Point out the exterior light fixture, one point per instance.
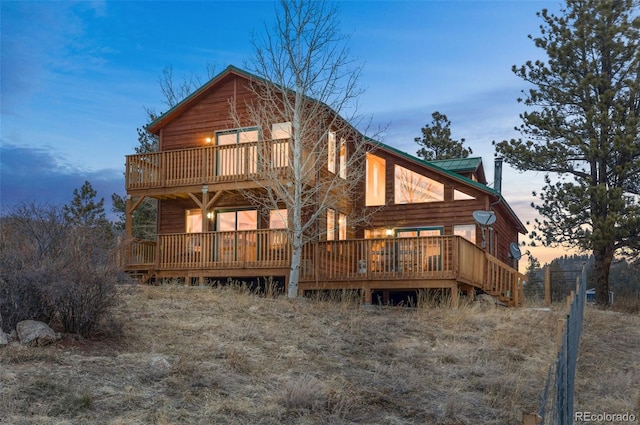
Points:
(389, 232)
(208, 140)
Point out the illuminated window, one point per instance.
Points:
(375, 180)
(331, 224)
(232, 157)
(194, 221)
(342, 227)
(467, 231)
(278, 220)
(331, 151)
(411, 187)
(343, 159)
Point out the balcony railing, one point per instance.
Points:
(389, 259)
(205, 165)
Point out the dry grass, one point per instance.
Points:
(201, 355)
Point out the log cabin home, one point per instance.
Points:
(421, 233)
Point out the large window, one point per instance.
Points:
(232, 157)
(375, 180)
(336, 232)
(411, 187)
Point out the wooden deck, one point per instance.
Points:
(389, 264)
(209, 165)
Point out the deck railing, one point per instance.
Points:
(392, 259)
(204, 165)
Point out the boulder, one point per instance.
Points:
(34, 333)
(4, 338)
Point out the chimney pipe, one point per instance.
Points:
(497, 175)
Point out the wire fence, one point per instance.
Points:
(556, 404)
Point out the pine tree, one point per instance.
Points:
(582, 129)
(437, 143)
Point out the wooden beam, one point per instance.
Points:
(195, 199)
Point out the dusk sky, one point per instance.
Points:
(76, 77)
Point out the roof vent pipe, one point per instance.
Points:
(497, 175)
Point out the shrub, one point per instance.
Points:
(50, 270)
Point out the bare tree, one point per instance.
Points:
(306, 95)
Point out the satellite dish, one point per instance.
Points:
(484, 218)
(514, 250)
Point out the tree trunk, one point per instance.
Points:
(602, 263)
(294, 272)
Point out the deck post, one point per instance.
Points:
(455, 295)
(367, 295)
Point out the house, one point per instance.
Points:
(421, 232)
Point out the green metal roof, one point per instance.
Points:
(458, 164)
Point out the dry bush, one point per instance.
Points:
(51, 271)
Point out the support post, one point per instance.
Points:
(367, 294)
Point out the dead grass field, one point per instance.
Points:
(201, 355)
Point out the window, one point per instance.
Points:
(235, 245)
(331, 224)
(194, 221)
(461, 196)
(342, 227)
(411, 187)
(467, 231)
(278, 220)
(375, 180)
(232, 157)
(281, 135)
(331, 151)
(342, 166)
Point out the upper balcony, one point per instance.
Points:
(226, 164)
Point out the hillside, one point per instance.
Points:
(198, 355)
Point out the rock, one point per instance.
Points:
(4, 338)
(34, 333)
(159, 365)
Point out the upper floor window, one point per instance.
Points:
(342, 166)
(375, 180)
(232, 158)
(193, 221)
(411, 187)
(461, 196)
(331, 151)
(281, 134)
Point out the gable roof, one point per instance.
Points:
(433, 165)
(172, 113)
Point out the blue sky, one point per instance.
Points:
(76, 77)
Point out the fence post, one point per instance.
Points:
(547, 286)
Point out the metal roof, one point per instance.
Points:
(458, 164)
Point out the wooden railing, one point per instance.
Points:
(241, 249)
(205, 165)
(393, 259)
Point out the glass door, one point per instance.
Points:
(418, 255)
(238, 242)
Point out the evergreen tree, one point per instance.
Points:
(84, 211)
(534, 288)
(437, 143)
(583, 126)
